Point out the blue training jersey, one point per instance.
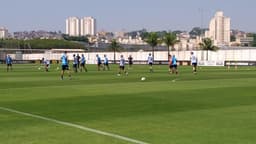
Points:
(8, 60)
(83, 59)
(98, 60)
(64, 59)
(174, 61)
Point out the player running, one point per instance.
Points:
(75, 63)
(174, 65)
(98, 62)
(122, 66)
(106, 64)
(46, 64)
(82, 64)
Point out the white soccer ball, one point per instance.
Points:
(39, 68)
(143, 78)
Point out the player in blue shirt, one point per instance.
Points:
(98, 62)
(64, 63)
(8, 61)
(174, 65)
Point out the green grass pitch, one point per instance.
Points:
(216, 106)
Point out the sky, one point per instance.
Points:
(125, 15)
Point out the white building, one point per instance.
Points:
(73, 26)
(88, 26)
(3, 32)
(219, 29)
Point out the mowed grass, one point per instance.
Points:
(216, 106)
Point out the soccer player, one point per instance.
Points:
(46, 64)
(8, 61)
(98, 62)
(130, 61)
(150, 62)
(82, 64)
(75, 63)
(170, 63)
(193, 59)
(122, 66)
(106, 65)
(78, 60)
(64, 63)
(174, 65)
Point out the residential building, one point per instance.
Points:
(73, 26)
(3, 32)
(88, 26)
(219, 29)
(244, 41)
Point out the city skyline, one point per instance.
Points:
(116, 15)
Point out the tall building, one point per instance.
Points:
(80, 27)
(73, 26)
(219, 29)
(3, 32)
(88, 26)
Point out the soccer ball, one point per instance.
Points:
(143, 78)
(39, 68)
(118, 75)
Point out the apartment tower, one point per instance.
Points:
(73, 26)
(219, 29)
(80, 27)
(88, 26)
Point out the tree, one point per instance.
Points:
(197, 31)
(254, 39)
(208, 45)
(115, 47)
(170, 39)
(152, 40)
(75, 38)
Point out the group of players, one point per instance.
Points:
(79, 63)
(173, 63)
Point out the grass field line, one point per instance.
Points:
(75, 126)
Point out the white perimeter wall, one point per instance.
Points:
(221, 55)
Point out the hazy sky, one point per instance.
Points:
(126, 15)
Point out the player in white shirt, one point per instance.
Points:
(106, 64)
(193, 59)
(122, 66)
(150, 62)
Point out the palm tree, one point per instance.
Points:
(152, 40)
(115, 47)
(208, 45)
(170, 39)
